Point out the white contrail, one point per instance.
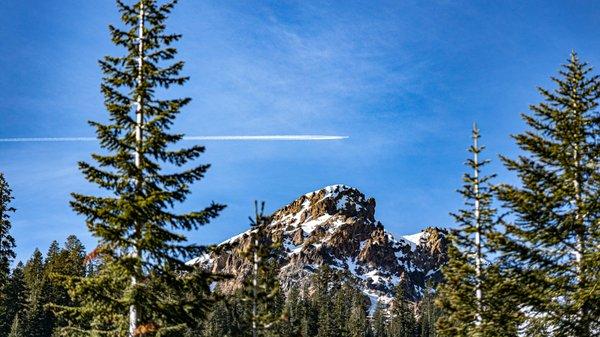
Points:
(207, 138)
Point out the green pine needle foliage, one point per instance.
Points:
(141, 236)
(261, 252)
(7, 242)
(7, 254)
(464, 314)
(553, 239)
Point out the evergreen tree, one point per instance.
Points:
(7, 245)
(379, 321)
(36, 320)
(402, 315)
(552, 243)
(7, 242)
(218, 322)
(429, 313)
(326, 324)
(143, 288)
(324, 283)
(15, 300)
(60, 265)
(357, 322)
(310, 313)
(469, 295)
(293, 313)
(16, 329)
(261, 288)
(341, 307)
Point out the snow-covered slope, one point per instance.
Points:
(336, 226)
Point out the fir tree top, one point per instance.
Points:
(553, 242)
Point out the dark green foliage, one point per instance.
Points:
(293, 314)
(7, 245)
(15, 299)
(142, 244)
(429, 313)
(402, 321)
(7, 242)
(33, 288)
(357, 323)
(16, 329)
(218, 322)
(469, 297)
(552, 241)
(332, 308)
(261, 287)
(379, 321)
(37, 321)
(62, 264)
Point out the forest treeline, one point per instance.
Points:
(524, 258)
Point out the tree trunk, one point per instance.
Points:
(133, 313)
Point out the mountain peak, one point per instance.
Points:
(336, 226)
(328, 201)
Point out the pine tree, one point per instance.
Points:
(552, 243)
(218, 322)
(261, 288)
(61, 264)
(144, 287)
(402, 321)
(324, 282)
(7, 245)
(293, 313)
(342, 304)
(15, 300)
(379, 321)
(310, 313)
(357, 322)
(16, 329)
(469, 297)
(36, 320)
(429, 313)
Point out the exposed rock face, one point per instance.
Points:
(336, 226)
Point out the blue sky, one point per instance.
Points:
(404, 79)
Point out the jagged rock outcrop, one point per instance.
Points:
(336, 226)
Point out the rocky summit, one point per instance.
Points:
(336, 226)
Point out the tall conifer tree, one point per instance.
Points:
(15, 300)
(553, 244)
(428, 312)
(7, 242)
(469, 296)
(36, 320)
(357, 321)
(379, 321)
(261, 287)
(144, 287)
(402, 322)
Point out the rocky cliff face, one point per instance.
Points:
(336, 226)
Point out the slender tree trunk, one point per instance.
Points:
(254, 285)
(580, 241)
(478, 255)
(133, 313)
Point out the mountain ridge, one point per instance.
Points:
(336, 226)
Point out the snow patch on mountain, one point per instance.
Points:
(336, 226)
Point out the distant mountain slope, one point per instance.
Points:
(336, 226)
